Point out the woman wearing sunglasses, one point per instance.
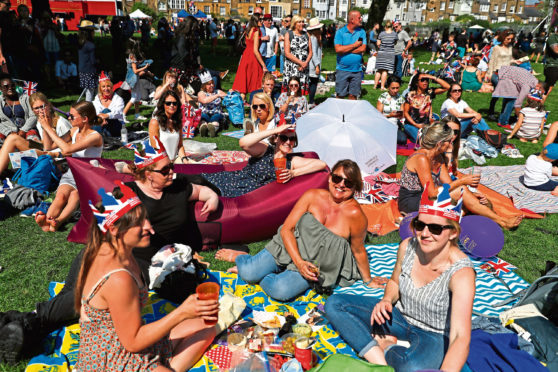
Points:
(166, 125)
(320, 245)
(83, 142)
(468, 118)
(46, 116)
(16, 115)
(292, 103)
(417, 109)
(260, 169)
(263, 115)
(428, 301)
(429, 166)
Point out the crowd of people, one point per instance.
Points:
(107, 282)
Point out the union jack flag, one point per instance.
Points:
(114, 208)
(149, 155)
(497, 267)
(372, 194)
(485, 51)
(443, 205)
(30, 87)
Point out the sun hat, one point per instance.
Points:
(313, 24)
(113, 208)
(86, 24)
(443, 205)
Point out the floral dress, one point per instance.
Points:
(300, 48)
(391, 104)
(101, 350)
(297, 107)
(419, 106)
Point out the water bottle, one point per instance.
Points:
(124, 135)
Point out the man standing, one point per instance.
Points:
(462, 43)
(350, 44)
(213, 35)
(373, 37)
(551, 64)
(230, 34)
(285, 25)
(403, 44)
(269, 57)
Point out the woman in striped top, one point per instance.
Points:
(428, 301)
(386, 54)
(531, 119)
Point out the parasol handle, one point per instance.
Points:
(343, 119)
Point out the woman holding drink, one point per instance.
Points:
(111, 291)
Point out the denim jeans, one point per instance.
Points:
(507, 110)
(312, 87)
(398, 65)
(465, 130)
(277, 283)
(350, 316)
(281, 62)
(111, 129)
(411, 131)
(214, 117)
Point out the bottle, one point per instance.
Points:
(124, 135)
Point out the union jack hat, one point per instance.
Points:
(149, 155)
(535, 95)
(103, 77)
(114, 208)
(443, 205)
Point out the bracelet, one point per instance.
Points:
(368, 282)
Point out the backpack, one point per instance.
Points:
(228, 31)
(39, 174)
(493, 138)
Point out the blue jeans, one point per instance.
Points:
(398, 65)
(507, 109)
(277, 283)
(350, 316)
(411, 131)
(465, 130)
(111, 129)
(281, 62)
(214, 117)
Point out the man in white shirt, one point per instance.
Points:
(270, 58)
(66, 72)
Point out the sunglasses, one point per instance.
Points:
(294, 85)
(165, 170)
(71, 117)
(37, 108)
(456, 90)
(456, 132)
(337, 179)
(434, 228)
(285, 138)
(422, 80)
(171, 103)
(261, 106)
(10, 85)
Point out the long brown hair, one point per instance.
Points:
(161, 116)
(96, 239)
(86, 109)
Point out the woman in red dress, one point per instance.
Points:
(252, 67)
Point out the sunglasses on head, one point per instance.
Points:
(335, 178)
(41, 107)
(171, 103)
(165, 170)
(261, 106)
(434, 228)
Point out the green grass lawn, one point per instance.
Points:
(32, 258)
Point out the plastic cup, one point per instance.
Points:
(280, 164)
(208, 291)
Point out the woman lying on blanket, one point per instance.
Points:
(429, 166)
(428, 300)
(320, 245)
(46, 116)
(165, 197)
(260, 169)
(111, 291)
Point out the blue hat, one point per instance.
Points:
(551, 151)
(535, 95)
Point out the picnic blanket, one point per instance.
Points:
(238, 134)
(61, 346)
(506, 181)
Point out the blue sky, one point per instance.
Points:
(529, 2)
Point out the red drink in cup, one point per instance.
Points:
(208, 291)
(280, 164)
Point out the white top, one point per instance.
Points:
(116, 107)
(532, 120)
(537, 171)
(483, 66)
(63, 126)
(270, 125)
(450, 104)
(90, 152)
(171, 141)
(273, 36)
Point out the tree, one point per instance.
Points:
(377, 12)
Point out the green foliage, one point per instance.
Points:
(481, 22)
(466, 18)
(340, 19)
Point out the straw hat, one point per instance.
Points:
(313, 24)
(86, 25)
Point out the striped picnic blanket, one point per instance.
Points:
(61, 347)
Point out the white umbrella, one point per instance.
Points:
(477, 27)
(138, 14)
(346, 129)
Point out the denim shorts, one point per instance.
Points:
(347, 82)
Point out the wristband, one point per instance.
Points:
(368, 282)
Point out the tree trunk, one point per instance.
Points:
(377, 12)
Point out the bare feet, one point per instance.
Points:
(40, 219)
(554, 192)
(53, 224)
(510, 222)
(535, 141)
(233, 269)
(385, 340)
(522, 140)
(201, 260)
(228, 255)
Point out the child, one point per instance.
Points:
(449, 49)
(135, 70)
(409, 65)
(538, 170)
(531, 119)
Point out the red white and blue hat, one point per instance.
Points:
(443, 205)
(114, 208)
(535, 95)
(103, 77)
(149, 155)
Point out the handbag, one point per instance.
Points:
(493, 138)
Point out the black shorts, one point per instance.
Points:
(551, 76)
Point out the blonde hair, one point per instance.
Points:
(454, 224)
(295, 20)
(102, 82)
(39, 96)
(434, 134)
(267, 76)
(269, 103)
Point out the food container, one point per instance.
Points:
(236, 342)
(303, 330)
(288, 342)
